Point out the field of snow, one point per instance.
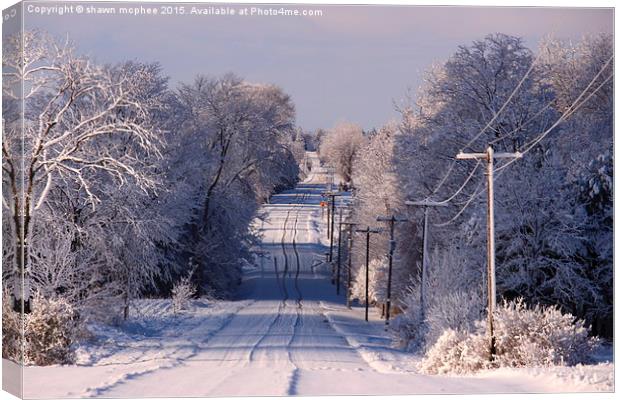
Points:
(287, 333)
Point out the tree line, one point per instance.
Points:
(553, 207)
(116, 185)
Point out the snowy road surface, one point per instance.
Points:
(286, 334)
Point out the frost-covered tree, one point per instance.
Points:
(569, 68)
(497, 92)
(596, 196)
(554, 245)
(312, 140)
(339, 146)
(377, 192)
(236, 147)
(486, 92)
(377, 282)
(81, 122)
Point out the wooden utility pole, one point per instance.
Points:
(330, 222)
(368, 231)
(349, 252)
(331, 235)
(391, 220)
(426, 204)
(489, 156)
(339, 251)
(328, 214)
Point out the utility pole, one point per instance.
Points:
(368, 231)
(339, 251)
(349, 252)
(489, 156)
(327, 195)
(391, 220)
(426, 204)
(332, 196)
(328, 212)
(331, 236)
(330, 227)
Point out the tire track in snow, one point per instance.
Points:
(118, 380)
(283, 244)
(274, 322)
(294, 378)
(277, 321)
(298, 262)
(281, 282)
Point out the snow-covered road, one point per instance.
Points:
(281, 336)
(287, 333)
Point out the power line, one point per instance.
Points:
(462, 210)
(488, 125)
(506, 135)
(570, 111)
(495, 115)
(530, 145)
(444, 178)
(574, 106)
(462, 186)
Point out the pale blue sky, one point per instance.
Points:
(349, 64)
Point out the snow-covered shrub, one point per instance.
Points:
(407, 327)
(458, 310)
(182, 292)
(12, 326)
(538, 336)
(453, 300)
(377, 282)
(456, 352)
(50, 331)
